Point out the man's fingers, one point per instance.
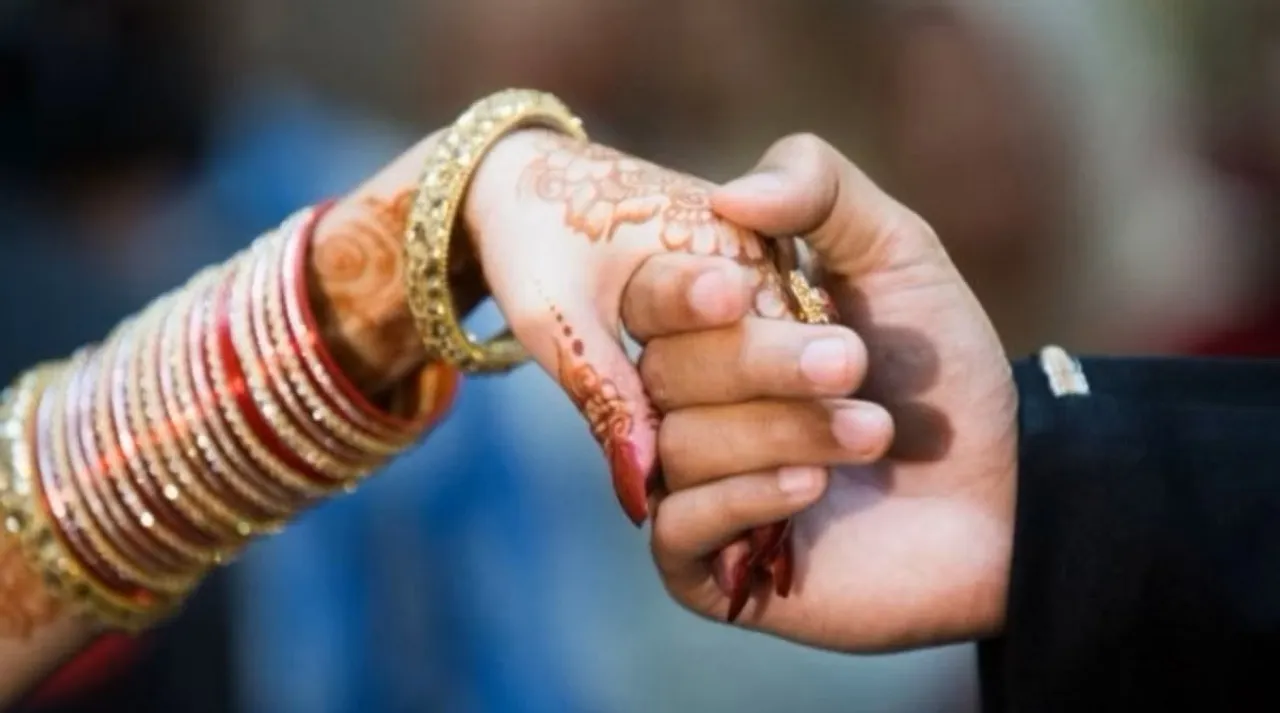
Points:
(803, 186)
(676, 293)
(755, 358)
(693, 524)
(697, 445)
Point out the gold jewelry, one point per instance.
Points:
(140, 432)
(25, 516)
(117, 461)
(198, 401)
(281, 358)
(366, 430)
(271, 404)
(104, 522)
(280, 473)
(432, 222)
(294, 342)
(810, 304)
(813, 308)
(189, 493)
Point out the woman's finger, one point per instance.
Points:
(701, 444)
(693, 524)
(755, 358)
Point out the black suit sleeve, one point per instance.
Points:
(1146, 564)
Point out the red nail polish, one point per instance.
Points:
(741, 585)
(722, 573)
(629, 481)
(784, 567)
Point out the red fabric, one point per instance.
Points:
(106, 657)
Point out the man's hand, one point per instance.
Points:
(912, 550)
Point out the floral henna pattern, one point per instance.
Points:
(608, 414)
(603, 189)
(600, 188)
(25, 604)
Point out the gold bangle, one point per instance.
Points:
(25, 516)
(432, 222)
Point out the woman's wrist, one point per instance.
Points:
(356, 281)
(356, 264)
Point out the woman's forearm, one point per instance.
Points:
(351, 279)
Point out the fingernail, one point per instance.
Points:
(629, 481)
(853, 425)
(707, 294)
(798, 480)
(740, 585)
(754, 185)
(783, 568)
(825, 361)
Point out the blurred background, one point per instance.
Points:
(1105, 172)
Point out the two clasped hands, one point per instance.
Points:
(890, 437)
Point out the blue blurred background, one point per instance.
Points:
(1104, 171)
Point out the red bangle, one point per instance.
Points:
(224, 454)
(243, 400)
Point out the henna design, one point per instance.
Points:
(608, 415)
(25, 603)
(595, 396)
(358, 291)
(602, 190)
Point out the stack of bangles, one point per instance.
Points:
(213, 416)
(131, 469)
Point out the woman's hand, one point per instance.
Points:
(560, 227)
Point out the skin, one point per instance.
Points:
(911, 551)
(559, 231)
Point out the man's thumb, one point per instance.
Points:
(805, 187)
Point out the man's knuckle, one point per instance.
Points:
(653, 376)
(672, 438)
(662, 542)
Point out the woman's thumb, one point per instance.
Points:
(588, 360)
